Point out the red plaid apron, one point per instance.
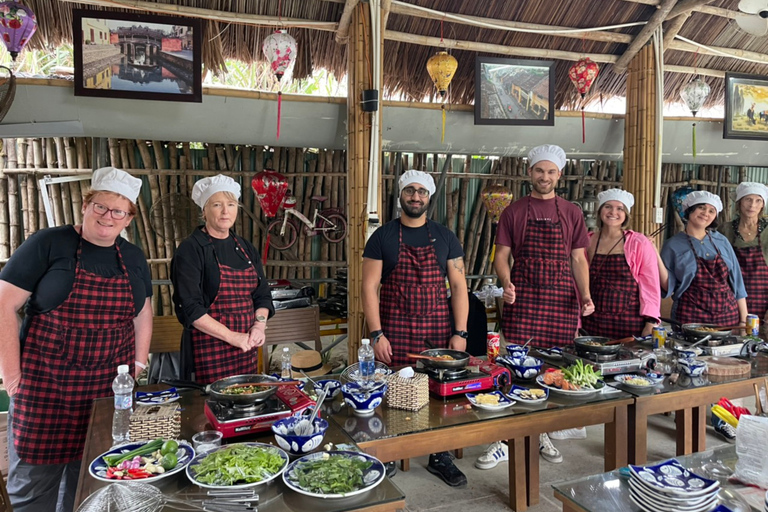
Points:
(545, 308)
(414, 302)
(233, 306)
(755, 273)
(616, 295)
(709, 298)
(70, 357)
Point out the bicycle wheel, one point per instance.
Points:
(338, 227)
(284, 241)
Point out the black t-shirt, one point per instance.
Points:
(45, 266)
(383, 244)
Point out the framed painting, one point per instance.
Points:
(746, 107)
(137, 56)
(514, 91)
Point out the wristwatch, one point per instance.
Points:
(461, 334)
(375, 335)
(261, 318)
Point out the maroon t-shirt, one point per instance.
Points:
(511, 229)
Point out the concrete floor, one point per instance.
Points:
(487, 490)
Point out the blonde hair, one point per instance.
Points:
(227, 194)
(88, 197)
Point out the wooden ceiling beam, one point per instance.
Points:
(386, 7)
(342, 34)
(672, 28)
(686, 7)
(706, 9)
(682, 46)
(656, 19)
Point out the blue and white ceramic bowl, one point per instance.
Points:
(333, 387)
(692, 367)
(514, 350)
(293, 443)
(526, 367)
(361, 399)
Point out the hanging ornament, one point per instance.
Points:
(582, 74)
(495, 198)
(270, 188)
(280, 49)
(17, 25)
(694, 94)
(441, 68)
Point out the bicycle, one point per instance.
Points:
(283, 231)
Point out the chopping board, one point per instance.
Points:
(726, 366)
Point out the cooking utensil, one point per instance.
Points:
(428, 358)
(460, 359)
(306, 427)
(702, 340)
(620, 341)
(216, 389)
(595, 344)
(265, 384)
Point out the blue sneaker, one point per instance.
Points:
(495, 453)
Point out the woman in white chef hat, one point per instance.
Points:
(623, 273)
(749, 238)
(220, 292)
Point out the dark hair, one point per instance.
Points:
(712, 225)
(88, 197)
(624, 224)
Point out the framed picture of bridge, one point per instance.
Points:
(137, 56)
(514, 91)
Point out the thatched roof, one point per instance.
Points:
(404, 62)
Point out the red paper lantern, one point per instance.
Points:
(270, 188)
(582, 74)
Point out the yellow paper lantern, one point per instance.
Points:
(441, 68)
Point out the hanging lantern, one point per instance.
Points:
(441, 68)
(495, 198)
(694, 94)
(280, 49)
(17, 25)
(582, 74)
(270, 188)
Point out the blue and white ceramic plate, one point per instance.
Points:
(192, 473)
(671, 478)
(371, 476)
(635, 382)
(98, 468)
(649, 505)
(504, 402)
(578, 393)
(523, 394)
(685, 504)
(165, 396)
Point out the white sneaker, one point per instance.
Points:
(548, 450)
(569, 433)
(495, 453)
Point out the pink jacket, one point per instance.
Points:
(644, 265)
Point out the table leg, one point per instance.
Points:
(615, 444)
(699, 418)
(638, 433)
(518, 499)
(459, 453)
(405, 464)
(684, 422)
(532, 468)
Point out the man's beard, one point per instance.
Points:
(413, 212)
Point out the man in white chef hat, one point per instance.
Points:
(405, 264)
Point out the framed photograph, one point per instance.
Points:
(514, 91)
(746, 107)
(137, 56)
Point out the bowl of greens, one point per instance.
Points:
(334, 474)
(237, 466)
(297, 435)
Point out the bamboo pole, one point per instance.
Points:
(5, 246)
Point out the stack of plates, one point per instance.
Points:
(669, 487)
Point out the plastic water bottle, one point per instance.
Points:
(285, 364)
(121, 421)
(367, 365)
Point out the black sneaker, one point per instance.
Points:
(726, 431)
(441, 464)
(391, 468)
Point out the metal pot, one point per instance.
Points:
(587, 344)
(460, 359)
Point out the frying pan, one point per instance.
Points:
(460, 359)
(215, 389)
(691, 330)
(584, 343)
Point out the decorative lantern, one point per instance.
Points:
(270, 188)
(694, 94)
(441, 68)
(582, 74)
(280, 49)
(17, 25)
(495, 198)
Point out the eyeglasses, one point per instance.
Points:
(102, 210)
(409, 191)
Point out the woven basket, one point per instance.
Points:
(409, 394)
(154, 421)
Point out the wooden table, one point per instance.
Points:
(274, 497)
(443, 425)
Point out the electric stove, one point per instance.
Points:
(727, 346)
(236, 420)
(625, 361)
(477, 376)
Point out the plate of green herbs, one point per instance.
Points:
(237, 466)
(334, 474)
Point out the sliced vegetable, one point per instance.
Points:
(116, 458)
(238, 464)
(582, 375)
(333, 474)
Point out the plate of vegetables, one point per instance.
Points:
(334, 474)
(146, 461)
(237, 466)
(577, 380)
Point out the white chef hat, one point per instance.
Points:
(206, 187)
(750, 187)
(616, 194)
(414, 176)
(112, 179)
(554, 154)
(702, 197)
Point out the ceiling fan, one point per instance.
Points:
(754, 19)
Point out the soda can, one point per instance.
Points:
(753, 325)
(659, 337)
(493, 346)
